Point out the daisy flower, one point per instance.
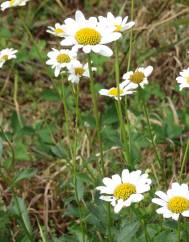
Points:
(117, 24)
(88, 35)
(13, 3)
(7, 54)
(77, 70)
(60, 59)
(183, 79)
(124, 89)
(122, 191)
(58, 30)
(174, 202)
(138, 77)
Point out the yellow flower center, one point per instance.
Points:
(124, 191)
(118, 28)
(59, 31)
(115, 92)
(79, 71)
(5, 57)
(137, 77)
(187, 79)
(12, 2)
(88, 36)
(63, 58)
(178, 204)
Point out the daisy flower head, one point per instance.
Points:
(13, 3)
(183, 79)
(139, 77)
(7, 54)
(116, 24)
(77, 70)
(124, 89)
(58, 30)
(88, 35)
(60, 59)
(174, 202)
(122, 191)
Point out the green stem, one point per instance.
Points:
(96, 114)
(109, 223)
(15, 95)
(119, 109)
(131, 37)
(178, 232)
(66, 113)
(183, 163)
(74, 158)
(152, 138)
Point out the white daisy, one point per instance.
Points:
(13, 3)
(88, 35)
(77, 70)
(183, 79)
(116, 24)
(7, 54)
(58, 30)
(138, 77)
(123, 190)
(124, 89)
(60, 59)
(174, 202)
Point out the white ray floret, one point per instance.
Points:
(116, 24)
(122, 191)
(13, 3)
(58, 30)
(77, 70)
(139, 77)
(88, 35)
(173, 203)
(7, 54)
(124, 89)
(183, 79)
(60, 59)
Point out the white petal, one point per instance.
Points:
(118, 206)
(103, 50)
(148, 70)
(175, 216)
(162, 195)
(159, 201)
(79, 17)
(186, 213)
(125, 174)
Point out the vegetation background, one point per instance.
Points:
(36, 187)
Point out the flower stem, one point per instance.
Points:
(184, 160)
(15, 95)
(109, 223)
(119, 109)
(96, 114)
(74, 158)
(152, 138)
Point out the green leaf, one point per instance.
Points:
(24, 174)
(1, 147)
(168, 236)
(128, 232)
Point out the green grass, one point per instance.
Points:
(40, 197)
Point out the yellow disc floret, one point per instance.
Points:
(137, 77)
(114, 91)
(88, 36)
(5, 57)
(124, 191)
(178, 204)
(118, 28)
(59, 31)
(187, 79)
(12, 2)
(79, 71)
(63, 58)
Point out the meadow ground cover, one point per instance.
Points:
(94, 121)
